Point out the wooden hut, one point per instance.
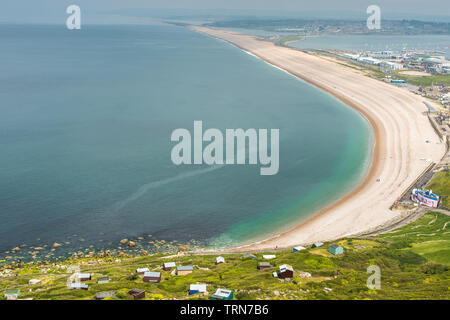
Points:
(182, 270)
(286, 271)
(78, 286)
(142, 270)
(84, 276)
(167, 266)
(264, 266)
(137, 294)
(154, 277)
(103, 280)
(103, 295)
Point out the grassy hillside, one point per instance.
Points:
(414, 262)
(441, 185)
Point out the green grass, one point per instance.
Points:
(414, 262)
(441, 185)
(436, 251)
(284, 41)
(425, 81)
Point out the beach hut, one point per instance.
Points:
(84, 276)
(264, 265)
(137, 294)
(220, 260)
(285, 271)
(182, 270)
(269, 256)
(336, 249)
(317, 244)
(12, 294)
(298, 248)
(222, 294)
(103, 280)
(142, 270)
(103, 295)
(167, 266)
(248, 256)
(197, 288)
(35, 282)
(154, 277)
(78, 286)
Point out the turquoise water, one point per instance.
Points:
(85, 126)
(377, 43)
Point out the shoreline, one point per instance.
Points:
(309, 231)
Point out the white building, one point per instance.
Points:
(369, 60)
(220, 260)
(391, 65)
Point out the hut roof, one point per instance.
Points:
(152, 274)
(185, 268)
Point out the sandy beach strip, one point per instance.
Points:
(401, 152)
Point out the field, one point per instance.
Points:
(441, 185)
(425, 81)
(414, 262)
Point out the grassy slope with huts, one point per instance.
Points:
(414, 262)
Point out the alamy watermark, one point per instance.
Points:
(374, 20)
(238, 145)
(73, 22)
(374, 280)
(74, 277)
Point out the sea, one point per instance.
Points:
(86, 118)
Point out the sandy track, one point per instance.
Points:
(400, 129)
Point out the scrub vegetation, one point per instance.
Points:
(414, 262)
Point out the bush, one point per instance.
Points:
(132, 277)
(433, 268)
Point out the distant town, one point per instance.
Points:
(424, 72)
(315, 27)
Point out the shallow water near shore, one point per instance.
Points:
(86, 120)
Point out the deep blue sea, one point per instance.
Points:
(85, 123)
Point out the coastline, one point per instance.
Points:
(399, 142)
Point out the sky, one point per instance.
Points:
(110, 11)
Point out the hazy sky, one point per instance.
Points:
(53, 11)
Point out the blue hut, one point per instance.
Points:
(335, 249)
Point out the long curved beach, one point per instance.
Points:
(401, 152)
